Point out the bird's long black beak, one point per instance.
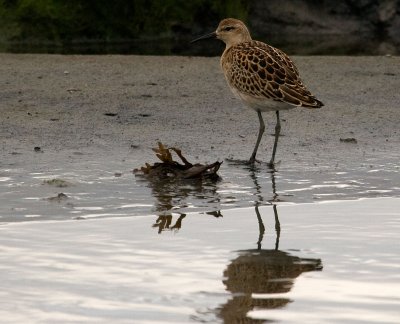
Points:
(210, 35)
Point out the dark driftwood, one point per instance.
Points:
(168, 168)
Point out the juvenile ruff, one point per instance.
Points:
(264, 77)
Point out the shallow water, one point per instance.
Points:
(100, 189)
(332, 262)
(318, 245)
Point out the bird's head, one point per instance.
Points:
(231, 31)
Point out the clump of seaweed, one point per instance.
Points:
(171, 169)
(56, 182)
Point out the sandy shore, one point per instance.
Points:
(118, 106)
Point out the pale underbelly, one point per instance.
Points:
(260, 104)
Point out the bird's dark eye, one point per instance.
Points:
(228, 28)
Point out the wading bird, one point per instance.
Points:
(264, 77)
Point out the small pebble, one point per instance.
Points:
(349, 140)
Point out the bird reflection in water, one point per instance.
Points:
(261, 271)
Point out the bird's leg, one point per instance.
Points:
(277, 132)
(277, 227)
(260, 134)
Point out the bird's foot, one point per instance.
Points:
(272, 164)
(253, 161)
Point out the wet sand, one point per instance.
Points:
(118, 107)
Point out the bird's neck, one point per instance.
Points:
(242, 38)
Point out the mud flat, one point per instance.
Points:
(114, 106)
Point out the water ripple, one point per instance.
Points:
(91, 187)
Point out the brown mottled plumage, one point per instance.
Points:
(264, 77)
(263, 72)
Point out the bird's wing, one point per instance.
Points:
(262, 71)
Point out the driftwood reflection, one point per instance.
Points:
(163, 223)
(262, 271)
(177, 185)
(174, 196)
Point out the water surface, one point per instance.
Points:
(97, 189)
(333, 262)
(90, 242)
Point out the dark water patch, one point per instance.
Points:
(299, 45)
